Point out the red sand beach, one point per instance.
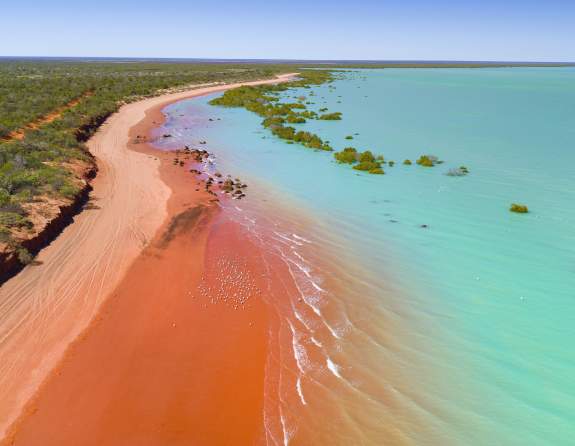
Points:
(167, 359)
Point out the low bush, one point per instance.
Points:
(367, 165)
(346, 156)
(519, 208)
(331, 116)
(427, 160)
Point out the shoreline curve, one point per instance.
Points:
(45, 307)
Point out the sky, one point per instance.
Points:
(486, 30)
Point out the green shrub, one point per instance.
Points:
(274, 120)
(519, 208)
(377, 171)
(366, 156)
(5, 235)
(69, 190)
(284, 132)
(331, 116)
(294, 119)
(407, 162)
(346, 156)
(427, 160)
(4, 197)
(13, 220)
(24, 256)
(367, 165)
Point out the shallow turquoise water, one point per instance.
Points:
(487, 297)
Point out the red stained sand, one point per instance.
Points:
(177, 354)
(163, 365)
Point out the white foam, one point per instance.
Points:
(300, 318)
(286, 432)
(286, 238)
(333, 368)
(310, 301)
(301, 238)
(306, 270)
(316, 286)
(299, 352)
(333, 332)
(297, 254)
(299, 390)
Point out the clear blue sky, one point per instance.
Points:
(534, 30)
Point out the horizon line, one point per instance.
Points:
(284, 60)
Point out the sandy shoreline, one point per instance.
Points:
(47, 306)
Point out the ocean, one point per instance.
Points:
(424, 312)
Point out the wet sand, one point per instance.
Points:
(142, 365)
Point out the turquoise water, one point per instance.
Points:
(479, 304)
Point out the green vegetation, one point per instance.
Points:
(46, 161)
(294, 119)
(42, 160)
(367, 166)
(377, 171)
(331, 116)
(427, 160)
(263, 100)
(519, 208)
(346, 156)
(366, 157)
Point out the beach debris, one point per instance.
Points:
(166, 135)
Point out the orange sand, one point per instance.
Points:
(141, 373)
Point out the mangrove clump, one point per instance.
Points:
(367, 166)
(519, 208)
(336, 116)
(346, 156)
(427, 160)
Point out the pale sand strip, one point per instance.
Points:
(47, 306)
